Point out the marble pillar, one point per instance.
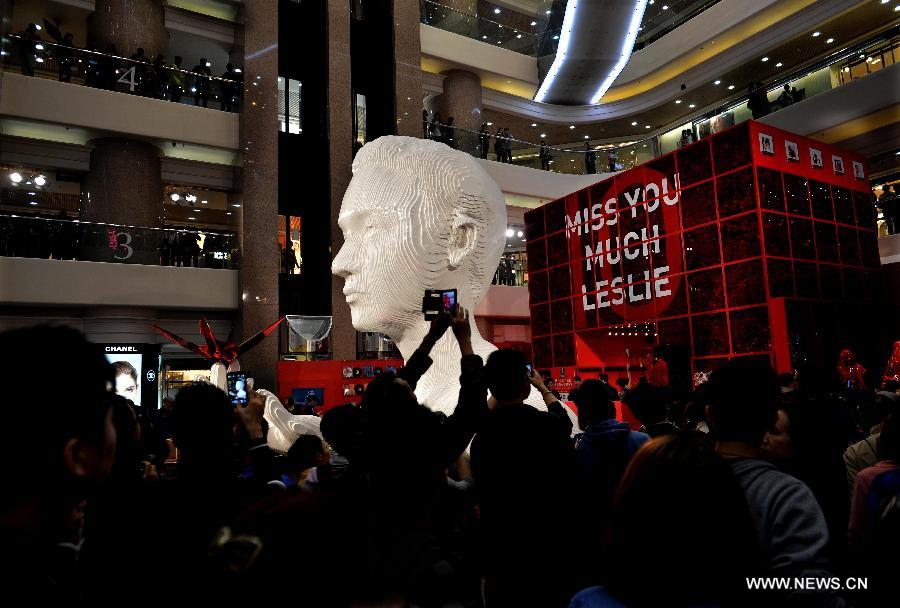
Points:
(408, 68)
(340, 137)
(461, 99)
(258, 192)
(130, 24)
(124, 185)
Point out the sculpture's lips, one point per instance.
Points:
(351, 295)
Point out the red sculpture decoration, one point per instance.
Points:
(217, 351)
(851, 371)
(892, 371)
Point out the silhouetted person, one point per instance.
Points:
(758, 102)
(500, 146)
(230, 87)
(523, 465)
(108, 64)
(201, 85)
(649, 404)
(590, 159)
(544, 155)
(65, 57)
(694, 551)
(742, 397)
(157, 78)
(28, 38)
(140, 63)
(507, 144)
(176, 80)
(484, 140)
(48, 475)
(786, 98)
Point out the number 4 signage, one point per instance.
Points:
(129, 78)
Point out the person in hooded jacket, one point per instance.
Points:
(605, 446)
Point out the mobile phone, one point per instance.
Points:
(530, 369)
(237, 388)
(437, 301)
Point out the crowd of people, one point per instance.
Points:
(142, 75)
(498, 504)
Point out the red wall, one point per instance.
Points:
(327, 375)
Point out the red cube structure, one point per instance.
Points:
(752, 242)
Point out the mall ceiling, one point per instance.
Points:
(854, 26)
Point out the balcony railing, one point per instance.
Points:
(149, 77)
(57, 239)
(479, 28)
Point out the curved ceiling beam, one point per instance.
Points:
(595, 43)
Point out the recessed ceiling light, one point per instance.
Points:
(862, 56)
(897, 8)
(665, 7)
(15, 177)
(534, 23)
(519, 234)
(634, 124)
(203, 202)
(693, 105)
(829, 41)
(571, 126)
(518, 35)
(556, 37)
(192, 218)
(765, 59)
(778, 65)
(718, 82)
(235, 205)
(646, 126)
(548, 12)
(496, 11)
(543, 135)
(652, 1)
(509, 232)
(490, 124)
(816, 34)
(587, 136)
(534, 124)
(730, 87)
(885, 1)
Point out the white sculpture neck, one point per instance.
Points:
(439, 387)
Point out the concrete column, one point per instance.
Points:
(124, 185)
(258, 194)
(343, 335)
(461, 99)
(408, 68)
(130, 24)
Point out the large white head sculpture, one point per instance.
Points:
(417, 215)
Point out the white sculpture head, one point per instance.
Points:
(417, 215)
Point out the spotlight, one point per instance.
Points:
(15, 177)
(40, 180)
(509, 233)
(175, 197)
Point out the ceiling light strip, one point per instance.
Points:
(624, 55)
(565, 38)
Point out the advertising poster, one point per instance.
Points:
(128, 361)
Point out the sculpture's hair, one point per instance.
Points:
(455, 190)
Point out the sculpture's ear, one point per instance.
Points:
(463, 236)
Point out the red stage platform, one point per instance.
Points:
(752, 242)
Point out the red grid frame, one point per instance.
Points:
(752, 229)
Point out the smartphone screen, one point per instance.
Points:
(237, 388)
(530, 369)
(448, 300)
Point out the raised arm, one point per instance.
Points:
(419, 362)
(553, 405)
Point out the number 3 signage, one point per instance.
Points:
(123, 242)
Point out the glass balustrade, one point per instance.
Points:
(480, 28)
(42, 237)
(149, 77)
